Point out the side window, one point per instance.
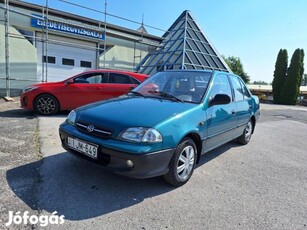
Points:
(246, 92)
(134, 81)
(221, 86)
(91, 79)
(239, 95)
(104, 78)
(95, 79)
(116, 78)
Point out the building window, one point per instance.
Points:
(49, 59)
(86, 64)
(66, 61)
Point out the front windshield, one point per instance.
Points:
(187, 86)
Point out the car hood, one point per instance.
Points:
(126, 111)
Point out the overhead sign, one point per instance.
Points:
(63, 27)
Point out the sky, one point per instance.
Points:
(253, 30)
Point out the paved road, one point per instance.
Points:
(18, 147)
(262, 185)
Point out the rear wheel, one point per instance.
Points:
(182, 163)
(46, 104)
(247, 134)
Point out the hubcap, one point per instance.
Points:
(185, 162)
(46, 105)
(248, 131)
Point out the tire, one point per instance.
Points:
(182, 164)
(46, 104)
(247, 134)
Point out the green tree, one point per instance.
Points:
(290, 89)
(236, 66)
(280, 74)
(302, 68)
(304, 80)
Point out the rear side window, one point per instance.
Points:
(116, 78)
(134, 81)
(238, 91)
(246, 92)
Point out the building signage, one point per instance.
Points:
(62, 27)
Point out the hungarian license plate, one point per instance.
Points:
(83, 147)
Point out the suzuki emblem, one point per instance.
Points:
(90, 128)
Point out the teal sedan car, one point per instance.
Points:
(164, 125)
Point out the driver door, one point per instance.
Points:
(83, 90)
(221, 119)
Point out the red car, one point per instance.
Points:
(94, 85)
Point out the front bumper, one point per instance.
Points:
(26, 101)
(144, 165)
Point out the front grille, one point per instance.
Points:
(86, 127)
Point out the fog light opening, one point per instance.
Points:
(129, 163)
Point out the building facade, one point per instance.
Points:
(46, 45)
(40, 44)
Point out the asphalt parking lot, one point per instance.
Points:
(262, 185)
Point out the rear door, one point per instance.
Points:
(243, 103)
(118, 84)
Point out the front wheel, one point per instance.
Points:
(182, 163)
(247, 134)
(46, 104)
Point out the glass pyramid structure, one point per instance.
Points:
(184, 47)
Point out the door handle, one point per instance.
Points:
(233, 111)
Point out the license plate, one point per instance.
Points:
(83, 147)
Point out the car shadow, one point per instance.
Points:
(22, 113)
(216, 152)
(18, 113)
(79, 190)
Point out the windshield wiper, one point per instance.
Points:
(165, 95)
(136, 93)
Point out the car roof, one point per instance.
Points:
(201, 71)
(113, 71)
(197, 71)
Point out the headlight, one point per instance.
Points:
(141, 134)
(71, 118)
(30, 88)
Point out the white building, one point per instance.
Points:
(52, 48)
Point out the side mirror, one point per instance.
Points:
(220, 99)
(68, 82)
